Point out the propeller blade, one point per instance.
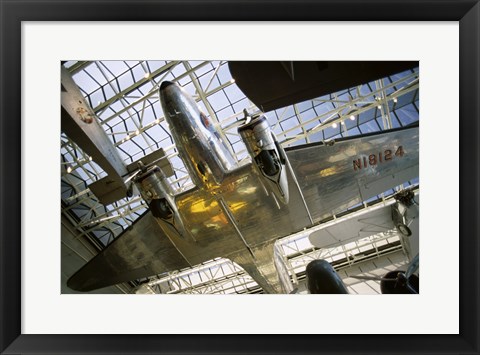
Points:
(131, 177)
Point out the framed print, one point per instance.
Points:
(43, 42)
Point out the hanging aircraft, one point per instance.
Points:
(236, 211)
(323, 279)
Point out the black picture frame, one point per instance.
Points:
(13, 12)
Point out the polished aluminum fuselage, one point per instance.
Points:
(203, 151)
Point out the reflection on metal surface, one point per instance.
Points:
(267, 155)
(343, 187)
(201, 148)
(219, 228)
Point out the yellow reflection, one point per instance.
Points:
(237, 206)
(201, 206)
(247, 190)
(328, 171)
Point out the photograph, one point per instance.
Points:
(239, 177)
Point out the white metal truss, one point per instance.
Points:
(220, 276)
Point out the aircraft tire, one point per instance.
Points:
(160, 208)
(392, 287)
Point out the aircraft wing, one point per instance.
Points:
(142, 250)
(334, 177)
(240, 219)
(237, 222)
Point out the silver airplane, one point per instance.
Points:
(238, 211)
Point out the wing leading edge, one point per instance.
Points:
(139, 252)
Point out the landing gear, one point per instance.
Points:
(267, 163)
(398, 283)
(402, 228)
(160, 208)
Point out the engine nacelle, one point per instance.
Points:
(156, 191)
(267, 154)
